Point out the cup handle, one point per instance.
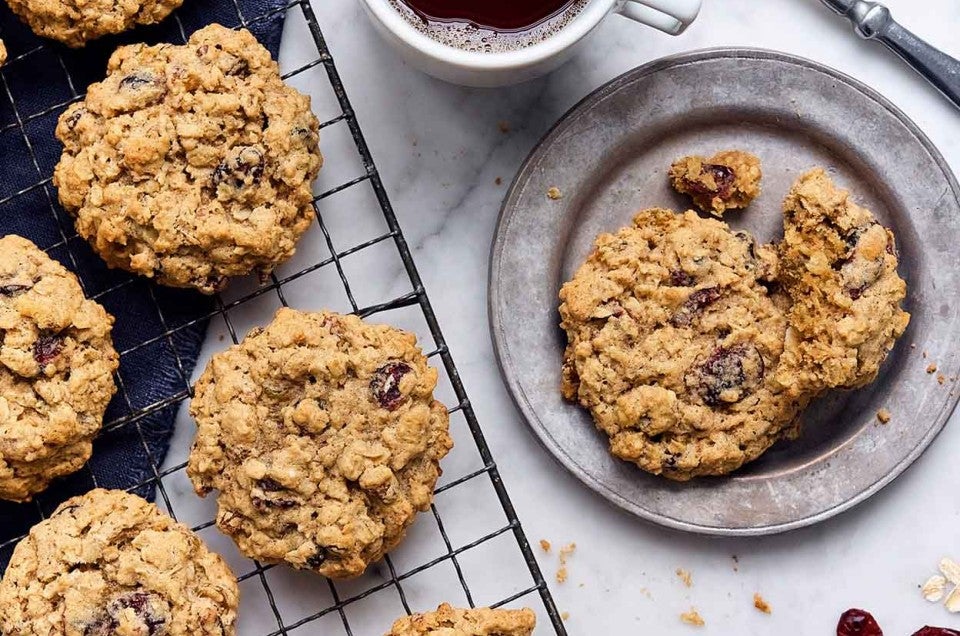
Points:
(669, 16)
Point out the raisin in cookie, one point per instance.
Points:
(191, 164)
(726, 181)
(674, 342)
(108, 563)
(450, 621)
(839, 267)
(76, 22)
(321, 434)
(56, 370)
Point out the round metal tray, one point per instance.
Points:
(609, 156)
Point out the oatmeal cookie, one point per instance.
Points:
(451, 621)
(191, 164)
(76, 22)
(728, 180)
(3, 53)
(56, 370)
(109, 563)
(674, 342)
(321, 434)
(839, 267)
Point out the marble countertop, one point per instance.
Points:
(447, 155)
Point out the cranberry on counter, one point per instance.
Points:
(857, 622)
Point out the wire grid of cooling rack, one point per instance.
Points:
(136, 417)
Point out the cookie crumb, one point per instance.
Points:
(693, 618)
(685, 576)
(545, 545)
(554, 193)
(932, 368)
(883, 415)
(498, 181)
(565, 552)
(941, 378)
(564, 615)
(761, 604)
(503, 126)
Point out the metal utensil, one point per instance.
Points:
(874, 22)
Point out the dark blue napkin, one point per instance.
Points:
(158, 331)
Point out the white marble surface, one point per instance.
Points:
(441, 153)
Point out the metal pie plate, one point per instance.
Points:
(609, 156)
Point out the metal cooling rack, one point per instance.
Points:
(135, 418)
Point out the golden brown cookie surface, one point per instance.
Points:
(191, 164)
(728, 180)
(674, 343)
(839, 266)
(56, 370)
(109, 563)
(75, 22)
(451, 621)
(323, 438)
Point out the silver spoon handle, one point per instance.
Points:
(874, 22)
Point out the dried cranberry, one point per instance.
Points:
(728, 375)
(240, 68)
(74, 118)
(13, 290)
(245, 165)
(679, 278)
(723, 177)
(269, 488)
(857, 622)
(936, 631)
(694, 305)
(386, 384)
(144, 606)
(135, 81)
(47, 347)
(318, 558)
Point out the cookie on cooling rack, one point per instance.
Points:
(3, 53)
(674, 344)
(451, 621)
(728, 180)
(191, 164)
(839, 267)
(108, 563)
(56, 370)
(323, 438)
(75, 22)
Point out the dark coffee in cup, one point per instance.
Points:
(489, 26)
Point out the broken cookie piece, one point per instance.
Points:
(838, 265)
(728, 180)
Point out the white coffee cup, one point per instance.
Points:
(473, 68)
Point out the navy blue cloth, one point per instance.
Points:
(158, 330)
